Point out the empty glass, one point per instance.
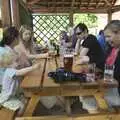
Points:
(108, 72)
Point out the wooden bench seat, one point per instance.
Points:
(62, 117)
(6, 114)
(82, 117)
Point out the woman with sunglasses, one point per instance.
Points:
(91, 51)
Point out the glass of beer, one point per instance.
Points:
(91, 72)
(109, 72)
(68, 59)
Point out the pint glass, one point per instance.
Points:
(68, 59)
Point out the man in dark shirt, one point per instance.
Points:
(91, 51)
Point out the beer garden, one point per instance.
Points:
(58, 13)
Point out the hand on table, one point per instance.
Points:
(82, 60)
(52, 53)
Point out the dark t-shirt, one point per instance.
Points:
(95, 52)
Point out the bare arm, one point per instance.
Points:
(83, 59)
(38, 56)
(84, 51)
(77, 47)
(24, 71)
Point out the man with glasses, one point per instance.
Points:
(88, 47)
(89, 51)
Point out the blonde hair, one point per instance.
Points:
(23, 28)
(7, 58)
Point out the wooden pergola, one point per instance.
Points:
(10, 9)
(76, 6)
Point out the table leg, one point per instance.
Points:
(100, 101)
(31, 105)
(68, 105)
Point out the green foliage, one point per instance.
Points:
(89, 19)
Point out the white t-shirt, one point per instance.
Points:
(9, 85)
(9, 90)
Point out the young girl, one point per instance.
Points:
(24, 48)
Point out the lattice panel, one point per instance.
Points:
(48, 27)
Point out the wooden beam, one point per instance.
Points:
(72, 4)
(98, 4)
(109, 15)
(31, 105)
(5, 13)
(32, 2)
(107, 116)
(116, 8)
(89, 2)
(25, 6)
(114, 1)
(108, 3)
(71, 18)
(67, 10)
(15, 13)
(48, 117)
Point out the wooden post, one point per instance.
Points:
(71, 18)
(15, 13)
(5, 12)
(109, 15)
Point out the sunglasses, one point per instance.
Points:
(79, 33)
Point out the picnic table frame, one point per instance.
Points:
(37, 83)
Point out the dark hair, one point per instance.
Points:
(101, 32)
(82, 27)
(9, 35)
(65, 36)
(113, 25)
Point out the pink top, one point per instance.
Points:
(112, 57)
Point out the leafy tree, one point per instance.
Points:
(89, 19)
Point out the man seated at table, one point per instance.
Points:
(91, 51)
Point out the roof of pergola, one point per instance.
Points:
(76, 6)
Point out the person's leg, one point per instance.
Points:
(89, 103)
(112, 97)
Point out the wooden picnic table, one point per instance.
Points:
(37, 83)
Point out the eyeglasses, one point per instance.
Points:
(79, 33)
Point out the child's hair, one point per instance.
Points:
(23, 28)
(9, 35)
(6, 57)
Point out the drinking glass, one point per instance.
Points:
(90, 75)
(68, 59)
(109, 72)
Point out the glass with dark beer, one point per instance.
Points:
(68, 59)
